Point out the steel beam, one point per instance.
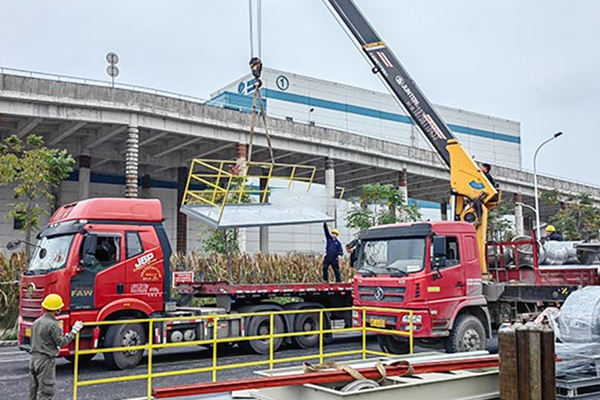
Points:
(104, 135)
(24, 127)
(64, 131)
(152, 138)
(402, 369)
(177, 147)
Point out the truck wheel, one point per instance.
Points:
(124, 336)
(393, 344)
(258, 326)
(468, 334)
(585, 257)
(307, 323)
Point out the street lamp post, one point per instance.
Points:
(535, 184)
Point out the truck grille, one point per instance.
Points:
(390, 294)
(31, 307)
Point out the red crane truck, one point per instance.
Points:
(109, 260)
(434, 270)
(439, 270)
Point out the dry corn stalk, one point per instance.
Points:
(11, 268)
(257, 268)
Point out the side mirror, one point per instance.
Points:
(13, 245)
(438, 258)
(439, 246)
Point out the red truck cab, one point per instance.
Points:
(108, 258)
(430, 268)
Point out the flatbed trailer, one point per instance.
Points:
(251, 298)
(329, 294)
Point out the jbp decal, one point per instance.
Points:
(143, 260)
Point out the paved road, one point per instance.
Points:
(14, 370)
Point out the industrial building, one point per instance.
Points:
(374, 114)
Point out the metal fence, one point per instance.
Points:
(322, 331)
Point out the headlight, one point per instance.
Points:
(355, 314)
(416, 318)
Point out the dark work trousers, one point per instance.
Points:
(42, 377)
(336, 269)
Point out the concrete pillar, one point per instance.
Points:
(85, 164)
(182, 174)
(519, 225)
(403, 184)
(444, 211)
(264, 230)
(132, 162)
(330, 188)
(330, 177)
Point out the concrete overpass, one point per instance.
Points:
(131, 132)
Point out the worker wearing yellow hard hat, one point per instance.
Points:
(46, 340)
(551, 234)
(333, 250)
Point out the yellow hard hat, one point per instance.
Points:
(53, 302)
(550, 228)
(335, 231)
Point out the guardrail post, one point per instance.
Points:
(364, 332)
(271, 344)
(215, 345)
(150, 347)
(321, 336)
(76, 367)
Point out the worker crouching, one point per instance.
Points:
(46, 340)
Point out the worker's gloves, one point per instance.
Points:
(77, 327)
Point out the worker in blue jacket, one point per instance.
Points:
(333, 250)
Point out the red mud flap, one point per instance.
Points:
(325, 377)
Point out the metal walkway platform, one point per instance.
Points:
(218, 194)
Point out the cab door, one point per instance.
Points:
(446, 280)
(101, 271)
(144, 270)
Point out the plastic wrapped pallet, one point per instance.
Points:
(579, 320)
(556, 253)
(579, 333)
(578, 358)
(523, 253)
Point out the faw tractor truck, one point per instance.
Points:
(109, 260)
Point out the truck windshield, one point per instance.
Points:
(50, 254)
(394, 256)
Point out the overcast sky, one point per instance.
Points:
(536, 62)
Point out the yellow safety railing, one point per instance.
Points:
(223, 182)
(215, 340)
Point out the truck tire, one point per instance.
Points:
(306, 323)
(259, 325)
(124, 336)
(393, 344)
(468, 334)
(585, 257)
